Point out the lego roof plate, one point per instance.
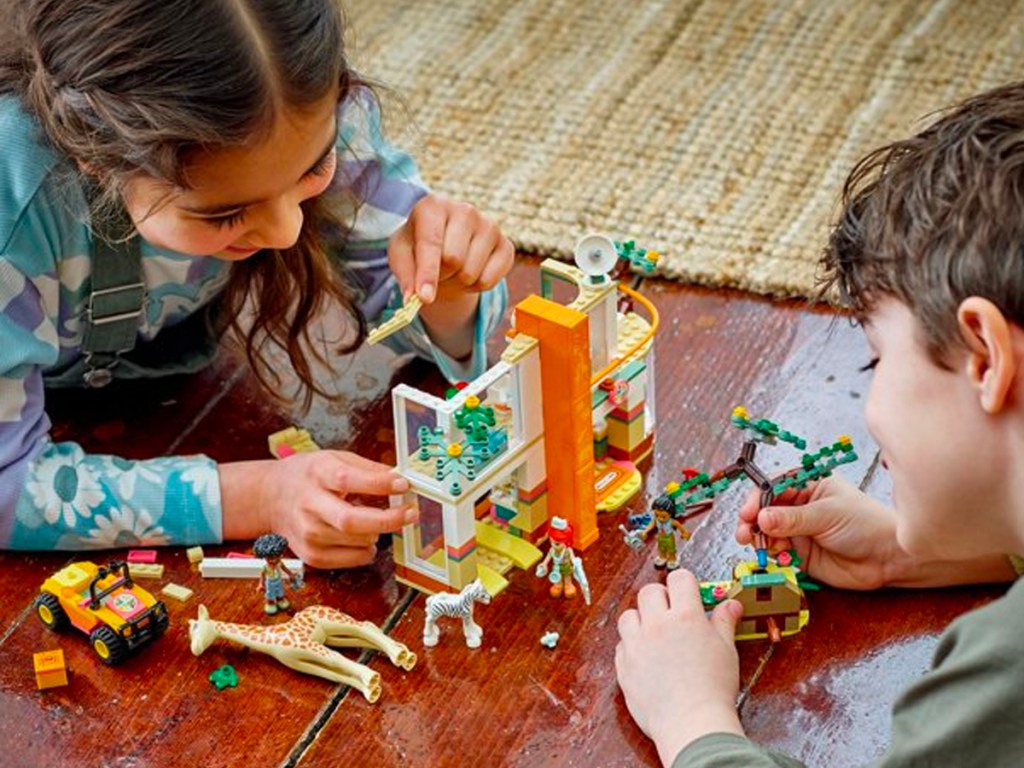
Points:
(595, 255)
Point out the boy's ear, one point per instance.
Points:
(991, 358)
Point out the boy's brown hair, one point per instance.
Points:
(937, 218)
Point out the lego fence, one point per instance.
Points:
(718, 133)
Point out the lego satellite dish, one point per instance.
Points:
(595, 255)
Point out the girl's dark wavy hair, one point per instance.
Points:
(937, 218)
(128, 86)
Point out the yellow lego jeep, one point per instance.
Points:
(106, 604)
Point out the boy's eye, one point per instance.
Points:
(228, 221)
(872, 363)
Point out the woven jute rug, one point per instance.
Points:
(718, 133)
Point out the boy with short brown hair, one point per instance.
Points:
(929, 254)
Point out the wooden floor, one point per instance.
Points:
(823, 695)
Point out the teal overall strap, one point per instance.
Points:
(117, 298)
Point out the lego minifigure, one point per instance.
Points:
(271, 547)
(565, 565)
(666, 526)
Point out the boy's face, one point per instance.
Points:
(943, 450)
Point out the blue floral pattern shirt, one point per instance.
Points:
(56, 496)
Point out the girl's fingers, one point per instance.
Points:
(429, 224)
(342, 477)
(402, 262)
(341, 557)
(356, 520)
(478, 255)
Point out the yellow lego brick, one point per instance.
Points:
(177, 591)
(293, 440)
(146, 570)
(399, 320)
(521, 553)
(194, 554)
(493, 581)
(50, 669)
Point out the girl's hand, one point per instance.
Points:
(677, 668)
(447, 248)
(305, 498)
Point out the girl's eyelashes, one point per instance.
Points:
(227, 221)
(323, 165)
(872, 363)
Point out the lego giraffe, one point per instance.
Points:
(300, 643)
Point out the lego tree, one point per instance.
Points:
(699, 487)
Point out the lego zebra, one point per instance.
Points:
(447, 604)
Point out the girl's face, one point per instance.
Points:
(242, 199)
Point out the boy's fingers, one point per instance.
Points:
(399, 484)
(458, 234)
(725, 617)
(479, 252)
(652, 597)
(683, 590)
(498, 265)
(629, 623)
(744, 533)
(780, 522)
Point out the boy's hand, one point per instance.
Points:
(447, 248)
(305, 500)
(678, 670)
(845, 538)
(848, 540)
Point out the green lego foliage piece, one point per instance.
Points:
(475, 420)
(767, 431)
(763, 579)
(224, 677)
(638, 258)
(840, 452)
(707, 595)
(464, 458)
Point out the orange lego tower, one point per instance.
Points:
(563, 337)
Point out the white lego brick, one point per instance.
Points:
(241, 567)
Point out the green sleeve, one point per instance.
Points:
(727, 750)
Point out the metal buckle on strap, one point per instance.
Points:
(140, 297)
(98, 377)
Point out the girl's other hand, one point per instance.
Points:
(447, 248)
(305, 498)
